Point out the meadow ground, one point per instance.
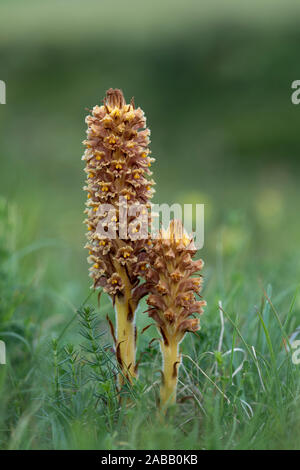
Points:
(238, 386)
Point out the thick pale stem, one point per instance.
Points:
(171, 362)
(125, 338)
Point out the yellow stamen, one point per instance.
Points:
(115, 113)
(129, 116)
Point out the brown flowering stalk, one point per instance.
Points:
(117, 166)
(172, 299)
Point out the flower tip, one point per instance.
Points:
(114, 98)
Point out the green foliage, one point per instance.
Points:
(237, 390)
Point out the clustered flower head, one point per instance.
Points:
(171, 284)
(118, 173)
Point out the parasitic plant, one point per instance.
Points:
(172, 298)
(117, 161)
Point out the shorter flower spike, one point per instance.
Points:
(172, 299)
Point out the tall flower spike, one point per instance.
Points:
(172, 298)
(118, 173)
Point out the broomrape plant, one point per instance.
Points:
(172, 298)
(117, 161)
(117, 166)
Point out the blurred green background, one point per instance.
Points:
(214, 79)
